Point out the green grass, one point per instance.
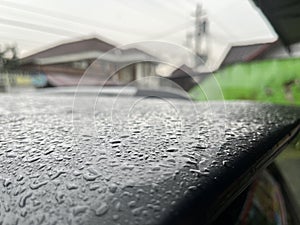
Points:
(276, 81)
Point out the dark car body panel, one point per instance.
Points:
(125, 161)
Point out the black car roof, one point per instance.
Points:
(81, 161)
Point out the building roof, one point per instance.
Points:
(279, 51)
(244, 53)
(237, 53)
(74, 47)
(92, 48)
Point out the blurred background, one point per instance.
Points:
(50, 45)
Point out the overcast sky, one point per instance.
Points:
(36, 24)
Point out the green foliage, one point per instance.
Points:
(276, 81)
(9, 60)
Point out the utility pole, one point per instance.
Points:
(197, 28)
(2, 79)
(199, 35)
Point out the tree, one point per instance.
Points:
(9, 60)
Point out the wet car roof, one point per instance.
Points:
(128, 161)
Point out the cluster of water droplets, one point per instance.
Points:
(58, 168)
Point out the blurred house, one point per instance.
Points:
(65, 64)
(279, 51)
(187, 77)
(242, 53)
(239, 53)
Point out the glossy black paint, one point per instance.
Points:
(131, 161)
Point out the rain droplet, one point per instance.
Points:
(57, 175)
(102, 209)
(6, 182)
(79, 210)
(137, 211)
(132, 204)
(172, 149)
(113, 188)
(90, 177)
(59, 197)
(116, 217)
(71, 186)
(23, 199)
(118, 206)
(35, 185)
